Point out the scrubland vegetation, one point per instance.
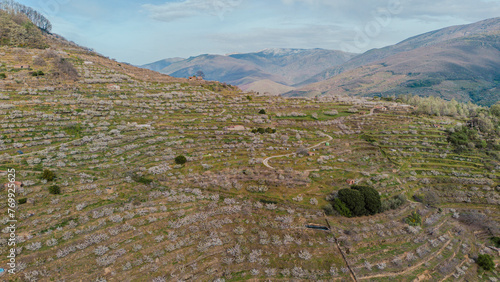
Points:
(129, 175)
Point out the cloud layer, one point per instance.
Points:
(171, 11)
(147, 30)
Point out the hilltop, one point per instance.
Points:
(424, 40)
(459, 62)
(132, 175)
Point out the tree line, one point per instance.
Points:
(480, 130)
(38, 19)
(440, 107)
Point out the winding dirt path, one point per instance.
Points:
(223, 111)
(410, 269)
(266, 161)
(330, 138)
(371, 112)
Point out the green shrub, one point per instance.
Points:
(3, 76)
(328, 209)
(141, 179)
(460, 137)
(262, 112)
(264, 201)
(74, 130)
(368, 138)
(496, 241)
(494, 110)
(413, 219)
(485, 262)
(261, 130)
(54, 189)
(361, 200)
(38, 167)
(463, 138)
(354, 201)
(180, 160)
(48, 175)
(422, 83)
(393, 203)
(386, 205)
(371, 197)
(22, 201)
(341, 208)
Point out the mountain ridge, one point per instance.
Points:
(421, 40)
(286, 66)
(464, 67)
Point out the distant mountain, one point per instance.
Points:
(267, 86)
(423, 40)
(461, 63)
(220, 68)
(295, 65)
(285, 67)
(159, 65)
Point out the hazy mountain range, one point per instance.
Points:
(461, 62)
(458, 62)
(272, 70)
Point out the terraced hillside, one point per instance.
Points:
(127, 211)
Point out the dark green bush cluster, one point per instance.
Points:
(371, 197)
(54, 189)
(180, 160)
(37, 73)
(141, 179)
(462, 138)
(486, 262)
(3, 76)
(22, 201)
(262, 112)
(480, 133)
(264, 201)
(358, 201)
(262, 130)
(496, 241)
(422, 83)
(368, 138)
(341, 208)
(413, 219)
(48, 175)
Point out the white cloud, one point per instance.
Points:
(462, 9)
(171, 11)
(307, 36)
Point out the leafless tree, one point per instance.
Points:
(34, 16)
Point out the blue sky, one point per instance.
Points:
(143, 31)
